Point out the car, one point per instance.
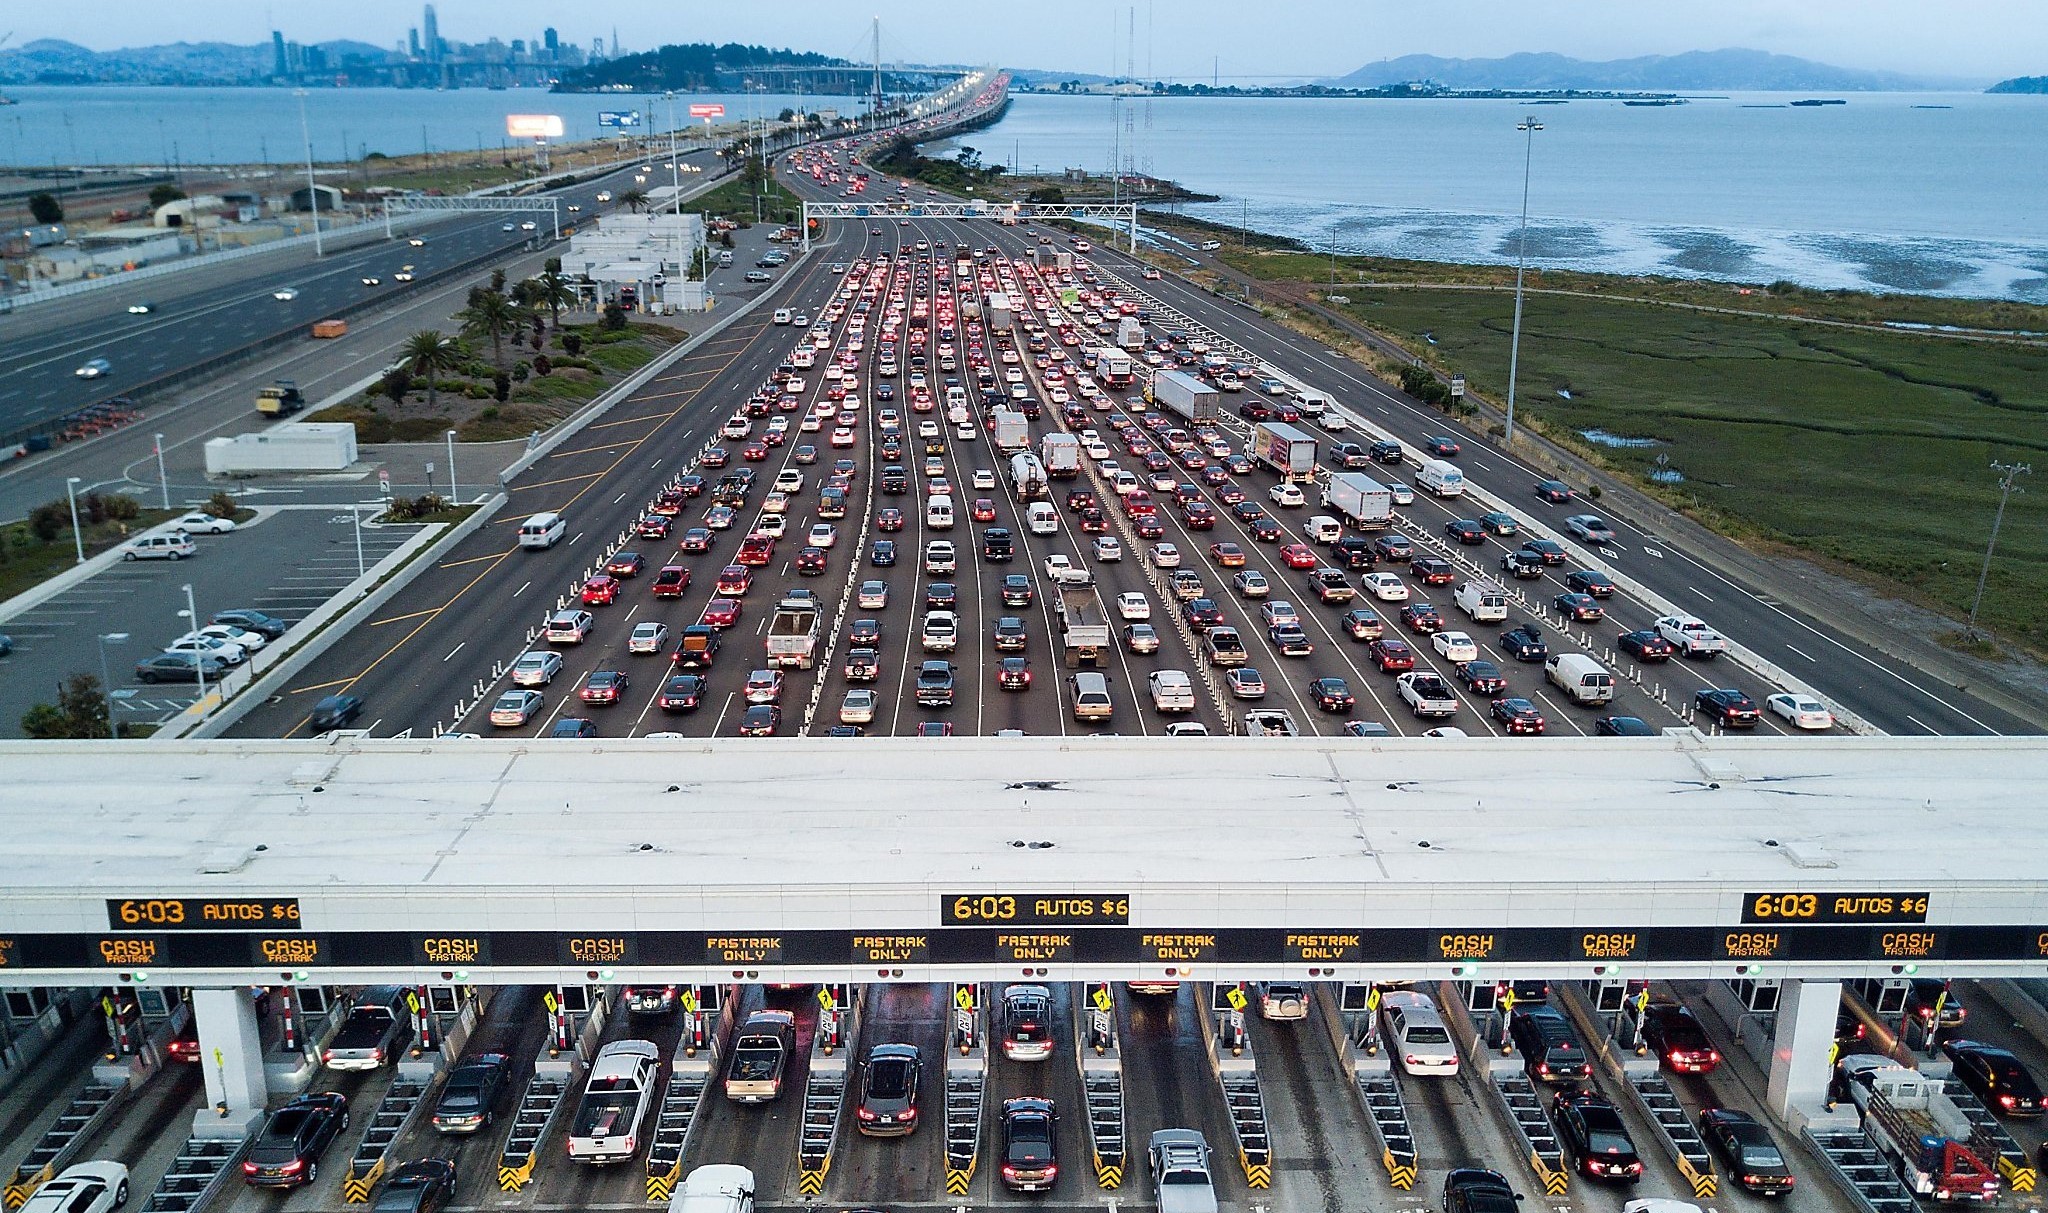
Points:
(1727, 707)
(882, 553)
(858, 707)
(1996, 1077)
(1430, 570)
(225, 651)
(863, 665)
(1481, 677)
(1331, 694)
(935, 684)
(722, 612)
(1387, 452)
(1455, 646)
(626, 564)
(536, 668)
(1588, 581)
(94, 369)
(1622, 726)
(759, 276)
(1801, 711)
(1227, 555)
(1010, 635)
(823, 535)
(761, 720)
(372, 280)
(199, 522)
(286, 1152)
(1030, 1145)
(1422, 619)
(1466, 530)
(1016, 590)
(1244, 682)
(1556, 492)
(1013, 674)
(1500, 523)
(681, 693)
(1182, 1182)
(572, 728)
(1165, 556)
(1592, 1133)
(1579, 608)
(515, 708)
(1391, 654)
(1746, 1151)
(1107, 548)
(1278, 611)
(1517, 716)
(86, 1187)
(1549, 551)
(1675, 1036)
(1291, 640)
(268, 626)
(1477, 1190)
(1524, 643)
(1416, 1033)
(695, 540)
(248, 641)
(1646, 646)
(1201, 614)
(1286, 495)
(1299, 556)
(1522, 564)
(1251, 583)
(601, 590)
(1362, 624)
(334, 712)
(1590, 527)
(423, 1185)
(890, 1079)
(654, 526)
(1133, 605)
(1141, 638)
(603, 686)
(649, 636)
(1387, 587)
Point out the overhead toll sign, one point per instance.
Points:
(1035, 909)
(202, 913)
(1834, 907)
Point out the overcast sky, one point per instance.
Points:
(1295, 38)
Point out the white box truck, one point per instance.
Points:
(793, 632)
(1013, 430)
(1130, 333)
(1084, 629)
(1285, 449)
(1196, 402)
(1364, 502)
(1061, 455)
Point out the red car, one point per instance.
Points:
(1093, 523)
(1229, 555)
(603, 686)
(890, 519)
(1391, 655)
(671, 581)
(1422, 618)
(756, 550)
(696, 539)
(722, 612)
(601, 590)
(734, 580)
(810, 561)
(713, 457)
(670, 503)
(755, 451)
(1298, 556)
(626, 564)
(1199, 516)
(654, 526)
(984, 510)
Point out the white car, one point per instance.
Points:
(1062, 571)
(249, 641)
(773, 522)
(790, 480)
(514, 708)
(984, 479)
(1590, 527)
(285, 294)
(858, 707)
(1287, 495)
(874, 595)
(823, 535)
(1801, 711)
(1402, 494)
(94, 369)
(1251, 583)
(89, 1187)
(1165, 556)
(1417, 1035)
(1385, 586)
(227, 652)
(199, 522)
(1107, 548)
(1133, 605)
(536, 669)
(647, 637)
(1455, 646)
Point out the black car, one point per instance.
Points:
(864, 633)
(1441, 446)
(941, 596)
(1549, 1045)
(1747, 1151)
(1524, 643)
(1556, 492)
(1465, 530)
(1517, 716)
(1393, 547)
(696, 648)
(1591, 1132)
(287, 1152)
(469, 1097)
(1996, 1077)
(1332, 695)
(996, 544)
(1016, 590)
(1354, 552)
(1476, 1190)
(1525, 565)
(1386, 452)
(573, 728)
(421, 1186)
(335, 712)
(888, 1092)
(883, 553)
(761, 720)
(1014, 674)
(811, 561)
(1579, 608)
(1030, 1157)
(1678, 1040)
(1622, 726)
(270, 627)
(1482, 677)
(1010, 635)
(1726, 706)
(1586, 581)
(1549, 551)
(1646, 646)
(1202, 614)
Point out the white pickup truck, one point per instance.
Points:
(1692, 635)
(1062, 571)
(1427, 695)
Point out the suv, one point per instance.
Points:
(1027, 1023)
(569, 627)
(1030, 1155)
(287, 1152)
(935, 684)
(888, 1092)
(1549, 1046)
(1016, 590)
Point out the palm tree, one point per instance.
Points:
(492, 315)
(426, 354)
(553, 292)
(634, 199)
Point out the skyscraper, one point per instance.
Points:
(412, 41)
(280, 66)
(430, 34)
(552, 41)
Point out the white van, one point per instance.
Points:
(1484, 601)
(175, 546)
(717, 1188)
(543, 530)
(1442, 478)
(784, 316)
(1091, 697)
(938, 512)
(1324, 529)
(1172, 691)
(1041, 518)
(1580, 677)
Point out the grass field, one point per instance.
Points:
(734, 199)
(1868, 448)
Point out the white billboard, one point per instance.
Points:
(533, 126)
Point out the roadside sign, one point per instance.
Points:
(1102, 999)
(689, 999)
(618, 117)
(1457, 387)
(1098, 1022)
(825, 998)
(1507, 999)
(963, 1022)
(1237, 1023)
(707, 112)
(1372, 1000)
(549, 1001)
(384, 481)
(1235, 997)
(412, 1001)
(963, 997)
(1643, 1001)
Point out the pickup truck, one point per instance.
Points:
(1692, 635)
(1180, 1172)
(760, 1055)
(935, 684)
(1063, 571)
(793, 632)
(372, 1034)
(1427, 695)
(1270, 722)
(616, 1099)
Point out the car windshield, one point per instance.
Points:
(1428, 1034)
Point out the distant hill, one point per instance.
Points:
(1732, 70)
(701, 67)
(55, 61)
(2021, 84)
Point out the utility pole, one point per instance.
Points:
(875, 110)
(2008, 477)
(1529, 127)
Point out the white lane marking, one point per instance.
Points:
(1653, 552)
(618, 499)
(572, 542)
(1482, 467)
(1923, 724)
(457, 649)
(1795, 648)
(521, 590)
(1700, 592)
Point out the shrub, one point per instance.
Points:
(542, 364)
(395, 384)
(520, 370)
(122, 508)
(490, 413)
(614, 318)
(501, 386)
(573, 343)
(221, 505)
(50, 520)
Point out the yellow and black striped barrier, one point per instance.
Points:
(812, 1183)
(512, 1179)
(1704, 1182)
(2018, 1176)
(1109, 1176)
(1555, 1179)
(1400, 1174)
(21, 1187)
(1257, 1174)
(957, 1181)
(355, 1189)
(661, 1187)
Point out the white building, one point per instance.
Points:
(649, 253)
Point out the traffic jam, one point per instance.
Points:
(996, 488)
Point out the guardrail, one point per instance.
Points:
(824, 1097)
(1370, 1075)
(966, 1091)
(1517, 1097)
(1862, 1173)
(402, 1101)
(196, 1176)
(54, 1150)
(679, 1104)
(1643, 1079)
(1102, 1083)
(538, 1106)
(2014, 1164)
(1237, 1074)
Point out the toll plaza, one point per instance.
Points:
(1141, 934)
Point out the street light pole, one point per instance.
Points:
(454, 494)
(2008, 476)
(312, 187)
(355, 515)
(191, 612)
(1529, 127)
(77, 537)
(107, 681)
(162, 478)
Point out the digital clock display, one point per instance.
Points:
(1035, 909)
(1833, 908)
(203, 913)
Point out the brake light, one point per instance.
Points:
(249, 1168)
(1543, 1067)
(327, 1055)
(864, 1113)
(2007, 1101)
(293, 1167)
(1412, 1060)
(1009, 1172)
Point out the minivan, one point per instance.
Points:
(1549, 1046)
(938, 513)
(1041, 518)
(1091, 697)
(543, 530)
(1323, 529)
(1442, 478)
(1027, 1022)
(175, 546)
(1580, 677)
(1172, 691)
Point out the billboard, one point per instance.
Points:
(618, 118)
(533, 126)
(707, 112)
